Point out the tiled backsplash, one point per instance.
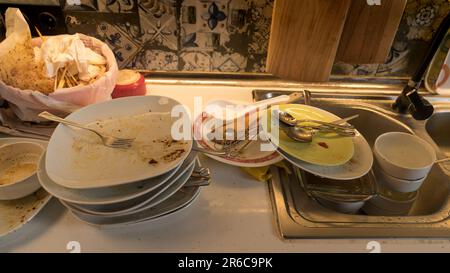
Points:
(225, 35)
(171, 35)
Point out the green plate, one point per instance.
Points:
(326, 149)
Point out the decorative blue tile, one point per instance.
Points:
(142, 34)
(226, 35)
(223, 34)
(117, 6)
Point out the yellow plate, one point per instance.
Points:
(326, 149)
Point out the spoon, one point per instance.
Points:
(302, 134)
(288, 119)
(299, 134)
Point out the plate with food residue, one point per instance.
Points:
(78, 159)
(325, 149)
(16, 213)
(359, 165)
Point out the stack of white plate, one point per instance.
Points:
(110, 186)
(132, 202)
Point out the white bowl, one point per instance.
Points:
(390, 203)
(397, 184)
(404, 156)
(18, 167)
(342, 207)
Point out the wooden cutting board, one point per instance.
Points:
(304, 38)
(369, 31)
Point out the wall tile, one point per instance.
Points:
(226, 35)
(142, 34)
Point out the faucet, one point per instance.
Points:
(410, 100)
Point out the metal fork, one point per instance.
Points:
(109, 141)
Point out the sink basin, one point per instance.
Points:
(299, 216)
(438, 127)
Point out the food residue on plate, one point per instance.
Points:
(17, 168)
(323, 144)
(153, 149)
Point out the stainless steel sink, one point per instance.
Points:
(299, 216)
(438, 127)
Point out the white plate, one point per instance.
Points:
(143, 202)
(325, 149)
(177, 202)
(161, 197)
(358, 166)
(252, 156)
(14, 214)
(101, 166)
(102, 196)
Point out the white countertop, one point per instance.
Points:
(233, 214)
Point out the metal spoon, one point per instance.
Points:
(302, 134)
(288, 119)
(299, 134)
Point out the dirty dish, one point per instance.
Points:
(77, 159)
(404, 156)
(325, 149)
(358, 166)
(177, 202)
(102, 196)
(14, 214)
(146, 201)
(251, 156)
(18, 166)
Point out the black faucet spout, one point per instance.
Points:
(410, 100)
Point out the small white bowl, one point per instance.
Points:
(18, 166)
(397, 184)
(404, 156)
(342, 207)
(390, 203)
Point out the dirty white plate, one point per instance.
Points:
(102, 196)
(182, 199)
(359, 165)
(77, 159)
(142, 203)
(325, 149)
(252, 156)
(16, 213)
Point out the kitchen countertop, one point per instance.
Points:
(233, 214)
